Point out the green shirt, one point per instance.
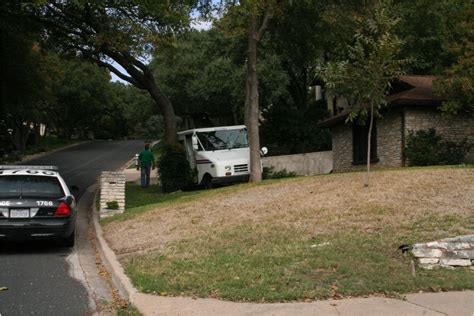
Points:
(146, 159)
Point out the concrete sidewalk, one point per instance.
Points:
(447, 303)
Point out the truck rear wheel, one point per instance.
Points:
(206, 182)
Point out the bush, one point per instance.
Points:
(427, 148)
(175, 172)
(112, 205)
(269, 173)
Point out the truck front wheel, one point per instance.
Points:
(206, 182)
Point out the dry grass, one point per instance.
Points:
(313, 206)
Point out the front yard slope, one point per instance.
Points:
(298, 239)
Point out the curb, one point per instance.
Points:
(43, 154)
(110, 261)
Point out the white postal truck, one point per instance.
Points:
(219, 154)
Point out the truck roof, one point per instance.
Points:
(210, 129)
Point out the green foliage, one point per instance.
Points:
(372, 57)
(175, 172)
(112, 205)
(204, 76)
(83, 102)
(140, 115)
(270, 173)
(288, 131)
(456, 84)
(427, 148)
(426, 27)
(27, 76)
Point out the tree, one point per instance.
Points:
(203, 77)
(27, 78)
(125, 32)
(252, 17)
(372, 62)
(456, 82)
(137, 110)
(82, 98)
(297, 37)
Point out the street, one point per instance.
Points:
(38, 275)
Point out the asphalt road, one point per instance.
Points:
(37, 274)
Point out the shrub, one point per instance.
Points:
(269, 173)
(112, 205)
(427, 148)
(175, 172)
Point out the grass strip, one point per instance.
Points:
(262, 263)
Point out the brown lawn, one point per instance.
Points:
(314, 206)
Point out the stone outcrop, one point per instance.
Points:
(448, 252)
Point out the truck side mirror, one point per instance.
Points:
(195, 142)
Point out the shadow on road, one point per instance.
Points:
(34, 247)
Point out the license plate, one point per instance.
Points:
(20, 213)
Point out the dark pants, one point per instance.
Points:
(145, 176)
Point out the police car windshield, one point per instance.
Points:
(15, 186)
(223, 139)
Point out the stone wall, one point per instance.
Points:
(390, 137)
(342, 147)
(112, 188)
(454, 128)
(448, 253)
(389, 144)
(302, 164)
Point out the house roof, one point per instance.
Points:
(421, 91)
(415, 90)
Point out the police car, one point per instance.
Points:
(35, 203)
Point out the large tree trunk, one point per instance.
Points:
(252, 102)
(167, 111)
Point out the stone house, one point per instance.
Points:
(411, 106)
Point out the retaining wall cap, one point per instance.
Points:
(438, 244)
(427, 253)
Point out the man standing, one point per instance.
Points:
(146, 162)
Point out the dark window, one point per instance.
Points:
(359, 143)
(30, 186)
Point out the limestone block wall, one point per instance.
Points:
(389, 140)
(342, 147)
(302, 164)
(454, 128)
(447, 253)
(112, 188)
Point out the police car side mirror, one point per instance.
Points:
(74, 188)
(195, 142)
(69, 199)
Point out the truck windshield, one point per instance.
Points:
(223, 139)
